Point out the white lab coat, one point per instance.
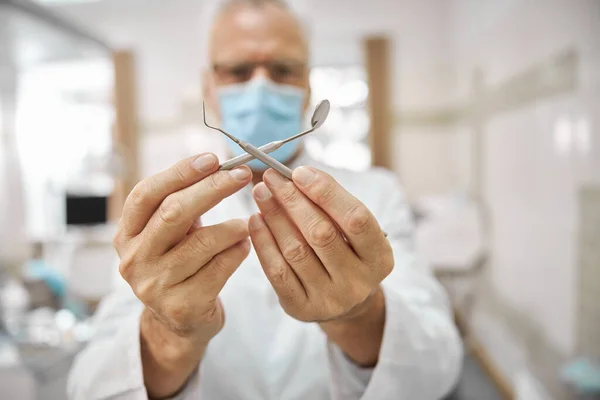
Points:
(264, 354)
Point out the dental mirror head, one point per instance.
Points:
(318, 118)
(320, 114)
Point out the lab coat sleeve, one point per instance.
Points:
(110, 367)
(421, 352)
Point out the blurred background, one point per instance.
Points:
(488, 111)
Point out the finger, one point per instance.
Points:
(354, 219)
(283, 278)
(174, 217)
(195, 226)
(147, 195)
(210, 280)
(320, 231)
(199, 248)
(290, 242)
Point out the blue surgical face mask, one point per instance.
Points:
(259, 112)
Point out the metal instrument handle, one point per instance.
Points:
(270, 161)
(244, 158)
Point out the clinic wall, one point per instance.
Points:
(536, 156)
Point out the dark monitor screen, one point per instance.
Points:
(86, 210)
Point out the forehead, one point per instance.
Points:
(247, 33)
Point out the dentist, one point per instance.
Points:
(305, 300)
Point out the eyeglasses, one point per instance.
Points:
(279, 71)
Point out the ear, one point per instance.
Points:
(209, 93)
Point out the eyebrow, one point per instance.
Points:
(233, 62)
(277, 52)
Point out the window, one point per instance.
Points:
(64, 131)
(343, 140)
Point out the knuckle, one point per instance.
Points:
(218, 181)
(118, 240)
(386, 263)
(127, 267)
(211, 316)
(296, 252)
(221, 265)
(138, 194)
(278, 275)
(170, 210)
(386, 271)
(202, 242)
(359, 220)
(323, 234)
(273, 210)
(289, 195)
(179, 171)
(359, 293)
(325, 193)
(178, 257)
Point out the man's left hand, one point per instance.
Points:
(322, 249)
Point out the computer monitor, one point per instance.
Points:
(86, 210)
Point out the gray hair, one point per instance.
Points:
(213, 8)
(253, 3)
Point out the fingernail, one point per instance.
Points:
(255, 222)
(273, 178)
(240, 174)
(262, 192)
(304, 176)
(205, 162)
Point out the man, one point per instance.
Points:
(321, 306)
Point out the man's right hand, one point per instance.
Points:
(176, 267)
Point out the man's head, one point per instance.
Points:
(251, 38)
(258, 69)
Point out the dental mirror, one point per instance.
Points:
(317, 120)
(320, 114)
